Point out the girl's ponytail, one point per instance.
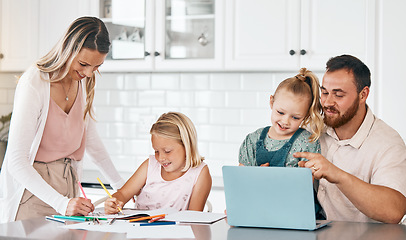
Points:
(314, 119)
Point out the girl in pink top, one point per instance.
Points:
(175, 177)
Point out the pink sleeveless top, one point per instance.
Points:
(64, 133)
(158, 193)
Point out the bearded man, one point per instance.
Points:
(362, 165)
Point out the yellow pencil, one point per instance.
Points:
(105, 189)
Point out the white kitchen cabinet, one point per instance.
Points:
(289, 34)
(170, 35)
(30, 28)
(18, 34)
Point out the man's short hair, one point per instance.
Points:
(361, 72)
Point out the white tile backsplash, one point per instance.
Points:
(224, 107)
(180, 99)
(210, 99)
(151, 98)
(241, 99)
(257, 81)
(137, 81)
(194, 81)
(223, 116)
(225, 81)
(165, 81)
(110, 81)
(123, 98)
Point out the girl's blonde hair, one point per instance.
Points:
(307, 84)
(177, 126)
(84, 32)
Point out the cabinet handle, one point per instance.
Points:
(1, 55)
(156, 54)
(146, 54)
(303, 52)
(292, 52)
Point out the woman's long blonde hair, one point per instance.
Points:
(84, 32)
(177, 126)
(306, 83)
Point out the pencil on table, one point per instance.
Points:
(105, 189)
(147, 218)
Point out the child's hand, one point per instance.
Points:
(111, 205)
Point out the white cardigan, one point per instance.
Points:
(30, 112)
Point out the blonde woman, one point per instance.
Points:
(175, 177)
(52, 126)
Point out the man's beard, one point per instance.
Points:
(341, 119)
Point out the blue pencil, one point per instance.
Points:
(157, 223)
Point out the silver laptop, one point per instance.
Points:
(270, 197)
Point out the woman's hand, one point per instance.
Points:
(79, 206)
(111, 205)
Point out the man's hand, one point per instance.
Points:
(320, 166)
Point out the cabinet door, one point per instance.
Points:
(55, 18)
(189, 35)
(18, 34)
(330, 28)
(260, 34)
(131, 27)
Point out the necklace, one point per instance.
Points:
(66, 93)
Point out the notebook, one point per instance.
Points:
(270, 197)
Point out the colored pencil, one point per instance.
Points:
(157, 223)
(147, 218)
(105, 189)
(70, 218)
(81, 188)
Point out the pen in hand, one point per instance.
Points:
(105, 189)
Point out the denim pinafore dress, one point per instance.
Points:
(275, 158)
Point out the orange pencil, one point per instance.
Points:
(147, 218)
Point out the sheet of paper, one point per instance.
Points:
(194, 217)
(172, 231)
(117, 226)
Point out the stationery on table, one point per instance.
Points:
(132, 213)
(73, 218)
(105, 189)
(147, 218)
